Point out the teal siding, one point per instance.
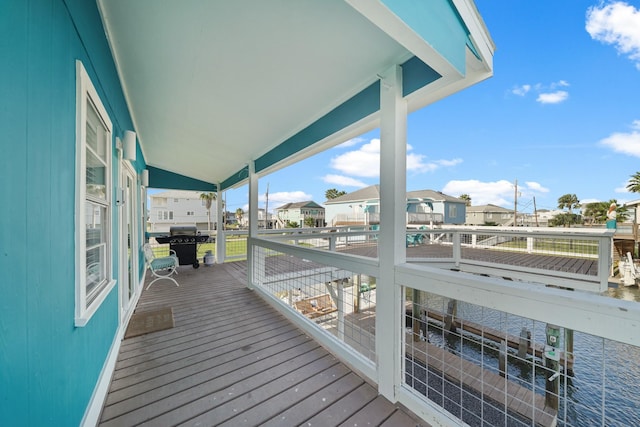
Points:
(160, 178)
(438, 23)
(48, 368)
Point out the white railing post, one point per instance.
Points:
(474, 240)
(605, 261)
(221, 250)
(332, 242)
(253, 223)
(457, 248)
(529, 244)
(341, 309)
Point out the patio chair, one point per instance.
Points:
(161, 267)
(414, 239)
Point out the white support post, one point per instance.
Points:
(341, 310)
(221, 240)
(253, 223)
(457, 248)
(391, 248)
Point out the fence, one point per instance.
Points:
(446, 365)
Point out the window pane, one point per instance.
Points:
(95, 221)
(96, 173)
(96, 132)
(95, 272)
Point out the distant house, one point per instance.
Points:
(488, 215)
(244, 221)
(541, 218)
(298, 213)
(179, 208)
(424, 207)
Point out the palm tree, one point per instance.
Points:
(466, 198)
(239, 215)
(596, 212)
(569, 202)
(634, 183)
(332, 193)
(208, 199)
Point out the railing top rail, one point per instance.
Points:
(549, 231)
(321, 235)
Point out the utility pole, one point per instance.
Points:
(535, 210)
(515, 206)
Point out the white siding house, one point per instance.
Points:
(179, 208)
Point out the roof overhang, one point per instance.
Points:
(215, 85)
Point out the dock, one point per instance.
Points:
(517, 399)
(513, 341)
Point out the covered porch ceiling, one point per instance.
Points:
(213, 85)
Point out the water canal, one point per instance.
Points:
(601, 391)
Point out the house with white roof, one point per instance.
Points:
(423, 207)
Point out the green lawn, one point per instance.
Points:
(235, 247)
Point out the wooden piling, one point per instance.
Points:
(568, 351)
(553, 383)
(502, 359)
(524, 343)
(452, 311)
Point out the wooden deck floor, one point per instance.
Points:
(231, 359)
(549, 263)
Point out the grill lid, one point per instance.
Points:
(185, 230)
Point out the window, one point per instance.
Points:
(93, 199)
(165, 215)
(453, 211)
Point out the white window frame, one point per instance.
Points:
(85, 91)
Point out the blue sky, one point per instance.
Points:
(560, 115)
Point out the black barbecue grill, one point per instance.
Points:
(184, 240)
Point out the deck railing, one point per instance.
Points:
(331, 294)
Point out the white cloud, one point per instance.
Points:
(553, 97)
(521, 90)
(534, 186)
(496, 193)
(482, 193)
(625, 143)
(343, 181)
(282, 197)
(350, 143)
(546, 94)
(622, 189)
(616, 24)
(585, 202)
(365, 162)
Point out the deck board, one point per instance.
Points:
(231, 358)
